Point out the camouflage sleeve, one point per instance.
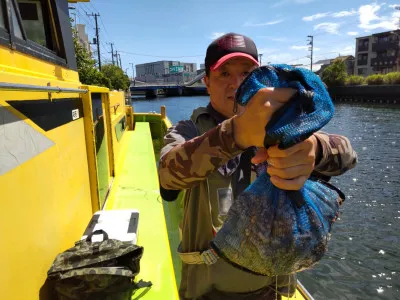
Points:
(337, 154)
(188, 159)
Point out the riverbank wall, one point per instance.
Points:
(379, 94)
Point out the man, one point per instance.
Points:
(211, 157)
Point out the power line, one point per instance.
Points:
(84, 16)
(93, 7)
(141, 54)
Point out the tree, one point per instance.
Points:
(88, 74)
(119, 80)
(335, 74)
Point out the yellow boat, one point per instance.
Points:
(68, 150)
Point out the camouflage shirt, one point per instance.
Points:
(187, 159)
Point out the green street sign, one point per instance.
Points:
(175, 69)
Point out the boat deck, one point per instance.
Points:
(136, 187)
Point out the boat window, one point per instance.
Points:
(32, 20)
(17, 28)
(2, 22)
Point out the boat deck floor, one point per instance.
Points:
(136, 187)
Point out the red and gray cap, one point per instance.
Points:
(228, 46)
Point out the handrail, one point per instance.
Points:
(37, 88)
(195, 79)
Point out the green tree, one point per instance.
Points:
(88, 73)
(119, 80)
(335, 74)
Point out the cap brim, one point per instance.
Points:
(227, 57)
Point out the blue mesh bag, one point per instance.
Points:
(267, 230)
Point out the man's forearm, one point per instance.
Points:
(189, 163)
(336, 154)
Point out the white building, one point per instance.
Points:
(166, 71)
(83, 37)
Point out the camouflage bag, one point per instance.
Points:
(97, 270)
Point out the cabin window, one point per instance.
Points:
(2, 19)
(32, 20)
(39, 28)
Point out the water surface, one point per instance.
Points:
(363, 260)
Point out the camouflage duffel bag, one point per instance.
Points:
(97, 270)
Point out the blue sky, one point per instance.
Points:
(145, 31)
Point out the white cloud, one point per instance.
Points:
(216, 35)
(352, 33)
(394, 6)
(267, 51)
(328, 27)
(315, 17)
(344, 13)
(369, 19)
(348, 50)
(340, 14)
(250, 24)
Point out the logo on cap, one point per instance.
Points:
(232, 41)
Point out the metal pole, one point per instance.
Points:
(133, 71)
(38, 88)
(120, 63)
(311, 49)
(97, 37)
(116, 55)
(260, 55)
(112, 53)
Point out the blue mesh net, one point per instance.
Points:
(270, 231)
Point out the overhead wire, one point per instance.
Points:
(101, 19)
(160, 56)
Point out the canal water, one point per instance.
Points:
(363, 260)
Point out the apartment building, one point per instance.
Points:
(378, 53)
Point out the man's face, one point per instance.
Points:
(223, 83)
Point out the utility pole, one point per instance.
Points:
(397, 7)
(120, 63)
(133, 71)
(311, 48)
(260, 56)
(116, 55)
(97, 37)
(112, 53)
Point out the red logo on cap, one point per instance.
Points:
(232, 41)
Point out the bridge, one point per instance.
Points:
(152, 90)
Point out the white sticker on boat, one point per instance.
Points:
(75, 114)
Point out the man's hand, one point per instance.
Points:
(290, 168)
(249, 126)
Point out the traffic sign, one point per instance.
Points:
(175, 69)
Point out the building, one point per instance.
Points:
(83, 37)
(166, 71)
(378, 53)
(349, 61)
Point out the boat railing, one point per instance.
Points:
(38, 88)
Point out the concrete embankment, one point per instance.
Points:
(380, 94)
